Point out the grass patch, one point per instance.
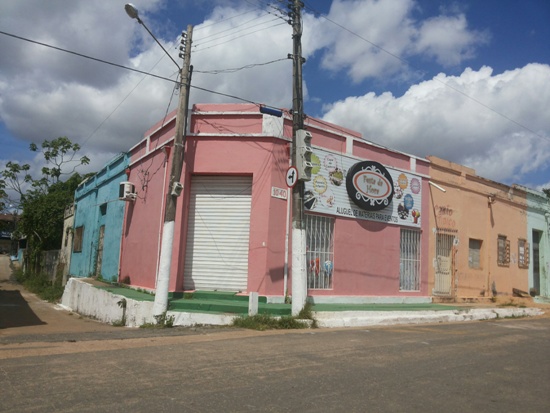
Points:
(161, 321)
(515, 316)
(263, 322)
(41, 285)
(119, 323)
(510, 303)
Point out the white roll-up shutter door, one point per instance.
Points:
(216, 253)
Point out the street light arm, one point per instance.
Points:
(165, 51)
(133, 13)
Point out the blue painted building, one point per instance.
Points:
(98, 220)
(538, 228)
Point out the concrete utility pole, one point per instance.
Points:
(163, 282)
(299, 268)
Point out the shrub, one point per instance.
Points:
(41, 285)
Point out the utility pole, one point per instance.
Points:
(299, 269)
(160, 305)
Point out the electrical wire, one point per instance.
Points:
(233, 70)
(280, 12)
(204, 39)
(136, 70)
(238, 37)
(221, 21)
(86, 56)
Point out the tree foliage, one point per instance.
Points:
(43, 199)
(60, 156)
(547, 192)
(43, 214)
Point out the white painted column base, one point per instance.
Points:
(253, 303)
(160, 305)
(299, 270)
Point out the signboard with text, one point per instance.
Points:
(368, 190)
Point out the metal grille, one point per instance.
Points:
(320, 251)
(503, 251)
(443, 263)
(409, 268)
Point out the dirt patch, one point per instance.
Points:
(23, 313)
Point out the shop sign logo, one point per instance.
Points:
(369, 185)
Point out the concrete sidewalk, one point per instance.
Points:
(133, 308)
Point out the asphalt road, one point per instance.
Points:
(499, 366)
(495, 366)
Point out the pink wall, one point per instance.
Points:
(260, 158)
(264, 158)
(228, 139)
(367, 253)
(143, 220)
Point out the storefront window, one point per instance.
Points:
(409, 273)
(320, 251)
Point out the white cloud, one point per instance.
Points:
(375, 38)
(46, 93)
(449, 117)
(448, 40)
(258, 38)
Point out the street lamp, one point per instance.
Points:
(160, 305)
(134, 14)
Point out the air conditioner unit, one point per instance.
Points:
(127, 191)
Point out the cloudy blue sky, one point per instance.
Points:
(468, 80)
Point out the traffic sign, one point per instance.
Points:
(291, 176)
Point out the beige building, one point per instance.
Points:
(479, 244)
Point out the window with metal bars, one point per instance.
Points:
(320, 251)
(503, 251)
(523, 253)
(409, 268)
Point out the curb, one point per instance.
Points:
(83, 298)
(335, 319)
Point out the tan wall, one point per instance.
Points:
(464, 211)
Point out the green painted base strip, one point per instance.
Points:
(129, 293)
(384, 307)
(230, 302)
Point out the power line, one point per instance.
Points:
(233, 70)
(85, 56)
(238, 37)
(203, 39)
(224, 20)
(134, 70)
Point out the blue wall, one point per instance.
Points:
(97, 204)
(538, 212)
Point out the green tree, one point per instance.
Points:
(42, 219)
(60, 155)
(547, 192)
(43, 199)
